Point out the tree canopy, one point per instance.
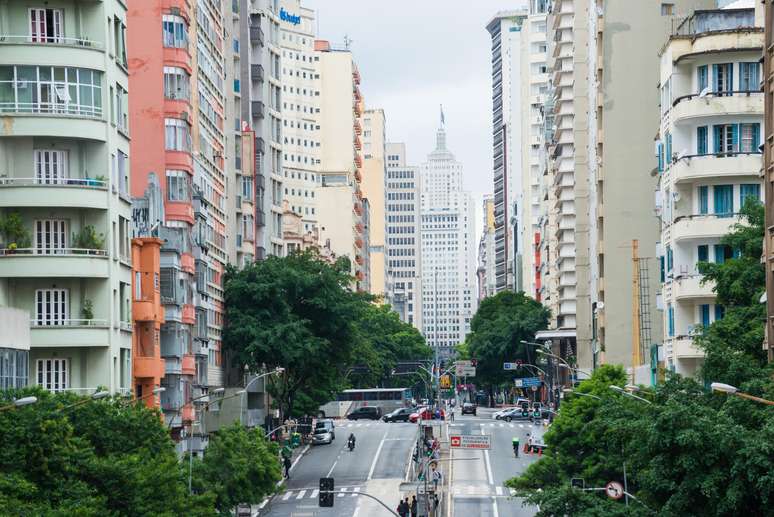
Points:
(501, 322)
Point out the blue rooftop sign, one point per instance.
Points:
(290, 18)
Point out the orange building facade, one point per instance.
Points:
(147, 316)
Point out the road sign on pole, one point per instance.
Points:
(470, 441)
(614, 490)
(526, 382)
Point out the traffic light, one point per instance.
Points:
(325, 499)
(445, 381)
(578, 483)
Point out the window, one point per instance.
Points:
(703, 253)
(51, 307)
(701, 140)
(723, 76)
(660, 154)
(50, 236)
(670, 259)
(726, 138)
(52, 374)
(749, 190)
(748, 77)
(667, 9)
(704, 311)
(137, 285)
(669, 147)
(702, 79)
(750, 135)
(175, 31)
(704, 199)
(724, 200)
(46, 26)
(51, 89)
(178, 186)
(177, 83)
(671, 320)
(720, 311)
(119, 37)
(122, 108)
(723, 253)
(50, 167)
(177, 135)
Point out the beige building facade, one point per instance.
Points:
(374, 169)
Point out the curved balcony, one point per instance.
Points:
(689, 107)
(683, 347)
(54, 263)
(701, 227)
(708, 166)
(690, 287)
(70, 333)
(59, 51)
(60, 192)
(39, 119)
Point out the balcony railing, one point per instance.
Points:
(47, 322)
(7, 252)
(48, 182)
(51, 108)
(13, 39)
(716, 94)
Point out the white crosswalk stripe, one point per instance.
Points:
(479, 490)
(342, 492)
(315, 492)
(287, 496)
(499, 490)
(301, 494)
(355, 491)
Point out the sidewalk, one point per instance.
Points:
(295, 457)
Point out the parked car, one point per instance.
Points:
(326, 425)
(399, 415)
(368, 412)
(322, 435)
(468, 408)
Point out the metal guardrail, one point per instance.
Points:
(53, 182)
(49, 252)
(14, 39)
(38, 322)
(51, 108)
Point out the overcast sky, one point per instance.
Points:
(413, 56)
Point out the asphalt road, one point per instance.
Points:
(377, 466)
(478, 477)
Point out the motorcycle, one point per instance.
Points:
(351, 445)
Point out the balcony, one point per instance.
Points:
(53, 263)
(57, 192)
(256, 36)
(147, 367)
(683, 347)
(690, 107)
(690, 287)
(56, 51)
(256, 73)
(188, 365)
(146, 310)
(258, 110)
(710, 166)
(69, 333)
(701, 227)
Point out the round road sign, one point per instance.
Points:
(614, 490)
(534, 388)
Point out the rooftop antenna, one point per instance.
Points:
(443, 120)
(347, 41)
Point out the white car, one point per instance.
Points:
(498, 415)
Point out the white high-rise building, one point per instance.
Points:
(506, 32)
(448, 251)
(402, 237)
(300, 112)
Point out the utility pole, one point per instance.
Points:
(436, 366)
(636, 359)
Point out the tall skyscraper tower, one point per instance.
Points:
(448, 250)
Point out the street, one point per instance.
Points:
(379, 462)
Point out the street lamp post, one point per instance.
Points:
(632, 395)
(24, 401)
(216, 391)
(154, 392)
(277, 370)
(580, 393)
(95, 396)
(733, 390)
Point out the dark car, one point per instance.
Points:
(370, 413)
(468, 408)
(399, 415)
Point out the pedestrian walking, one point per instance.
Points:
(403, 508)
(286, 462)
(413, 507)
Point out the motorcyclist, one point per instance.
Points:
(351, 441)
(515, 442)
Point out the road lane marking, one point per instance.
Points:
(489, 475)
(499, 490)
(301, 494)
(287, 496)
(376, 457)
(332, 467)
(355, 491)
(315, 493)
(342, 492)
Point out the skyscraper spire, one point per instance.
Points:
(441, 134)
(443, 121)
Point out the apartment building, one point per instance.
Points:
(487, 285)
(261, 117)
(342, 224)
(14, 348)
(403, 258)
(765, 15)
(709, 162)
(374, 170)
(447, 251)
(64, 190)
(506, 32)
(301, 136)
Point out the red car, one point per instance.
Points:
(425, 413)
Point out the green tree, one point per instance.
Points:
(297, 312)
(239, 466)
(102, 457)
(385, 340)
(501, 322)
